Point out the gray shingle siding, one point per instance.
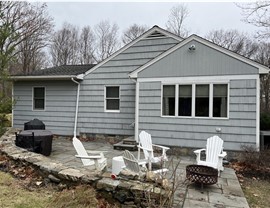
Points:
(60, 102)
(92, 118)
(204, 61)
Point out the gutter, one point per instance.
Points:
(79, 77)
(58, 77)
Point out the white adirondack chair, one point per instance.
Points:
(145, 143)
(214, 153)
(133, 165)
(97, 158)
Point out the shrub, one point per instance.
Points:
(256, 163)
(5, 108)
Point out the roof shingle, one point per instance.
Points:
(60, 70)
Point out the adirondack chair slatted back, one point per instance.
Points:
(131, 162)
(213, 149)
(81, 151)
(146, 142)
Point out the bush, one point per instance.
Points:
(256, 163)
(5, 105)
(5, 108)
(265, 121)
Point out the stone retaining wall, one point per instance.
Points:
(130, 193)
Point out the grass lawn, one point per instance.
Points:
(16, 193)
(257, 192)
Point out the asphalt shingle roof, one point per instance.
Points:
(60, 70)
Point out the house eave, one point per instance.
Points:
(58, 77)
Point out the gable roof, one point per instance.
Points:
(262, 69)
(154, 32)
(60, 72)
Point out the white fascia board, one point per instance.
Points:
(155, 28)
(261, 68)
(60, 77)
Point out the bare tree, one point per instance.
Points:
(133, 32)
(19, 22)
(263, 56)
(64, 47)
(107, 39)
(177, 17)
(258, 14)
(30, 50)
(86, 46)
(233, 40)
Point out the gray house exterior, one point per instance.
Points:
(180, 91)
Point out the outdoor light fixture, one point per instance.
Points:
(192, 47)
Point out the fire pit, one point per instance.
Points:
(201, 174)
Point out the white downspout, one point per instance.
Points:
(136, 129)
(77, 107)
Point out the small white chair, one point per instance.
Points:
(145, 143)
(133, 165)
(97, 158)
(214, 153)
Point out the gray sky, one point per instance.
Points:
(203, 17)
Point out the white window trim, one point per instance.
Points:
(105, 99)
(44, 98)
(193, 84)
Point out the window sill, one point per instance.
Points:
(112, 111)
(190, 117)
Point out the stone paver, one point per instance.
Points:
(226, 193)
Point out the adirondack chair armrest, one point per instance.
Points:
(89, 157)
(198, 154)
(139, 146)
(223, 154)
(163, 170)
(161, 147)
(101, 153)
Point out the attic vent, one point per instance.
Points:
(156, 34)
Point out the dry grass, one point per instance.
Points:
(257, 192)
(14, 194)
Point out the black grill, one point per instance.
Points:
(34, 124)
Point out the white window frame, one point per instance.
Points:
(193, 84)
(105, 99)
(33, 105)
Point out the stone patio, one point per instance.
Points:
(226, 193)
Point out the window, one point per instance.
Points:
(220, 100)
(39, 98)
(195, 100)
(168, 100)
(185, 100)
(112, 99)
(202, 101)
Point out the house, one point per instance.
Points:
(182, 91)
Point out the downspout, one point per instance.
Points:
(136, 129)
(77, 107)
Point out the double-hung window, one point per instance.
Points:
(195, 100)
(39, 98)
(112, 98)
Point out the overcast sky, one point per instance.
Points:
(203, 17)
